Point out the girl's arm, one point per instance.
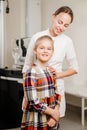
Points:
(54, 113)
(52, 122)
(25, 101)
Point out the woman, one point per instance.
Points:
(63, 49)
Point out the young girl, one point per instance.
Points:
(42, 111)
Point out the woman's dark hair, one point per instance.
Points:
(65, 9)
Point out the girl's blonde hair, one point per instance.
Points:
(45, 37)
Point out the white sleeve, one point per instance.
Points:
(29, 60)
(71, 56)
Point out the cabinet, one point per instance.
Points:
(11, 95)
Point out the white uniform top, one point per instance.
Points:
(63, 48)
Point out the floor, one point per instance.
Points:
(71, 121)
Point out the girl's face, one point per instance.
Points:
(44, 50)
(60, 23)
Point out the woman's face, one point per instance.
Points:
(60, 23)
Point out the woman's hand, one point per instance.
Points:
(53, 71)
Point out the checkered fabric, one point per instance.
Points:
(40, 90)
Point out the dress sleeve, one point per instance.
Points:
(30, 84)
(71, 56)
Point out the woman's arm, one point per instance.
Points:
(63, 74)
(66, 73)
(72, 64)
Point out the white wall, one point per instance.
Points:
(14, 27)
(33, 17)
(22, 13)
(1, 34)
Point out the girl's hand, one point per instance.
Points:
(55, 114)
(51, 122)
(24, 104)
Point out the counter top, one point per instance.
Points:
(10, 73)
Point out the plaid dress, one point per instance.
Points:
(40, 89)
